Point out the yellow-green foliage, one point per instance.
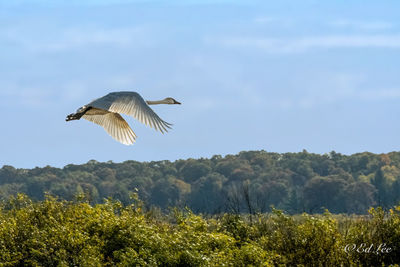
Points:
(73, 233)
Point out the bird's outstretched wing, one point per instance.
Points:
(113, 123)
(132, 104)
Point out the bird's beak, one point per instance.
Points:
(176, 102)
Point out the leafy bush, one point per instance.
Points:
(56, 232)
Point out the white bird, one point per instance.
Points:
(105, 110)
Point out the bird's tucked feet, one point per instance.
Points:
(73, 116)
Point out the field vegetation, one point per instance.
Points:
(74, 233)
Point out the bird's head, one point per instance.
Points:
(171, 101)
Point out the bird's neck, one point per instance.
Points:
(155, 102)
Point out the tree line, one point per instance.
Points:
(250, 182)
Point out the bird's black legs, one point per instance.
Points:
(76, 116)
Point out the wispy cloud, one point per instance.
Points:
(17, 96)
(274, 21)
(44, 95)
(362, 25)
(332, 88)
(323, 89)
(72, 2)
(310, 101)
(57, 40)
(303, 44)
(75, 38)
(383, 94)
(357, 95)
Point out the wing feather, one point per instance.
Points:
(132, 104)
(113, 124)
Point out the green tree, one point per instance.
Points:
(359, 197)
(323, 193)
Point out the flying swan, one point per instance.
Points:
(105, 110)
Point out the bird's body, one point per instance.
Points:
(105, 110)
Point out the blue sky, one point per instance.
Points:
(282, 76)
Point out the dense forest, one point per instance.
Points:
(250, 182)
